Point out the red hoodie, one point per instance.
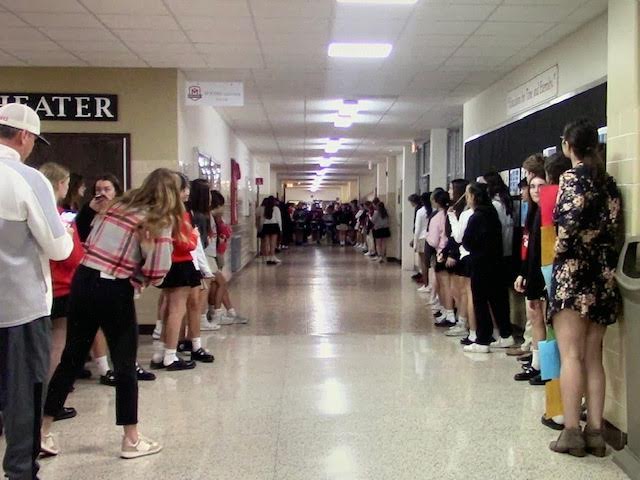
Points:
(182, 248)
(62, 272)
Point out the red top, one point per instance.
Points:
(62, 272)
(182, 248)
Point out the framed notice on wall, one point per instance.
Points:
(514, 180)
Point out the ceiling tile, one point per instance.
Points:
(239, 24)
(147, 22)
(121, 7)
(224, 61)
(57, 20)
(449, 12)
(442, 28)
(20, 33)
(588, 11)
(102, 59)
(209, 8)
(53, 58)
(7, 60)
(217, 49)
(531, 13)
(504, 50)
(79, 34)
(30, 45)
(230, 35)
(515, 29)
(49, 6)
(10, 20)
(289, 9)
(160, 48)
(155, 36)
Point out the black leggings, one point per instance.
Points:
(490, 292)
(94, 303)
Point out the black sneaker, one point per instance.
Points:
(537, 380)
(271, 262)
(181, 364)
(466, 341)
(526, 374)
(549, 422)
(185, 346)
(525, 358)
(202, 355)
(109, 379)
(65, 413)
(143, 375)
(156, 365)
(84, 374)
(446, 323)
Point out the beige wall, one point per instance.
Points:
(581, 58)
(304, 195)
(146, 107)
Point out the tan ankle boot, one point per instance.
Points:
(594, 442)
(570, 441)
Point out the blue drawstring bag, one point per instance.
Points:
(549, 359)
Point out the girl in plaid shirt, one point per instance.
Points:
(128, 249)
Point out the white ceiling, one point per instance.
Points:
(445, 52)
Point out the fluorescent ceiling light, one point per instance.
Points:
(381, 2)
(321, 173)
(348, 108)
(325, 162)
(331, 149)
(360, 50)
(342, 121)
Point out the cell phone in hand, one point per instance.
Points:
(68, 217)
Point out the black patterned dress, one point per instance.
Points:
(588, 219)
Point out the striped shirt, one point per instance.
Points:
(114, 248)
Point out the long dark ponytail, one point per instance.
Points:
(582, 137)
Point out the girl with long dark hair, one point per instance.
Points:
(584, 298)
(74, 198)
(454, 261)
(483, 240)
(437, 240)
(381, 231)
(271, 227)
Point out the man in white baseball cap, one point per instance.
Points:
(31, 234)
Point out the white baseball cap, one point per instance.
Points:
(21, 117)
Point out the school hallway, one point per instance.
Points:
(340, 375)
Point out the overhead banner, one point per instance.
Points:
(215, 94)
(84, 107)
(539, 89)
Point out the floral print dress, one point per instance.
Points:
(588, 219)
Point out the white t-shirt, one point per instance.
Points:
(458, 227)
(507, 226)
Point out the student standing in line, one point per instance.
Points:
(584, 297)
(437, 240)
(61, 275)
(176, 286)
(501, 200)
(531, 282)
(74, 199)
(381, 231)
(129, 248)
(419, 242)
(453, 261)
(483, 240)
(31, 234)
(271, 227)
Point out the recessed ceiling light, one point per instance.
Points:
(325, 162)
(381, 2)
(360, 50)
(348, 108)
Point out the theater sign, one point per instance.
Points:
(87, 107)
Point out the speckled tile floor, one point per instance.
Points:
(340, 376)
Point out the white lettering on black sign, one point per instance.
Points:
(68, 106)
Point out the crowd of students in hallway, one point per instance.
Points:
(362, 225)
(92, 260)
(70, 273)
(564, 265)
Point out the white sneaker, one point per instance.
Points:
(157, 332)
(207, 326)
(144, 446)
(276, 259)
(424, 289)
(503, 342)
(48, 446)
(476, 348)
(457, 331)
(226, 320)
(237, 319)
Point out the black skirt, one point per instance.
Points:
(381, 233)
(182, 274)
(463, 267)
(60, 307)
(270, 229)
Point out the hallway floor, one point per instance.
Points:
(340, 376)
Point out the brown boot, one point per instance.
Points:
(594, 441)
(570, 441)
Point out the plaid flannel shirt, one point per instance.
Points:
(114, 248)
